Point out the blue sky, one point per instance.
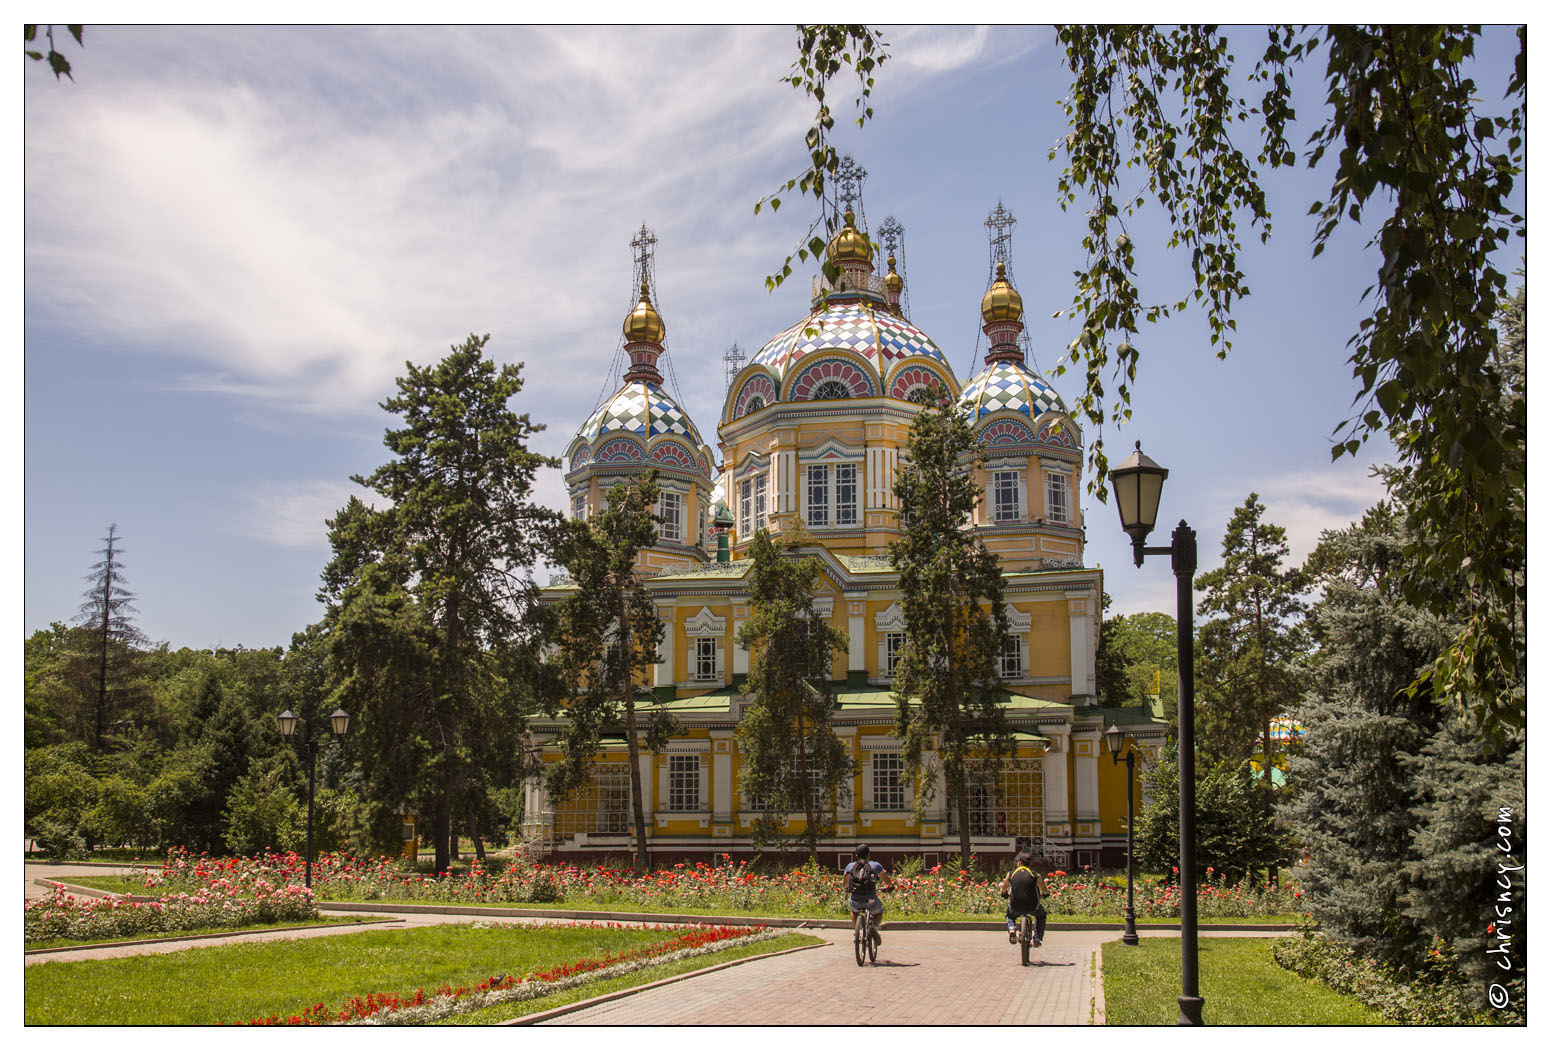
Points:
(236, 237)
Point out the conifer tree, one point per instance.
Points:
(947, 681)
(792, 760)
(112, 639)
(426, 590)
(607, 634)
(1249, 654)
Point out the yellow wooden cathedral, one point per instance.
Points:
(812, 433)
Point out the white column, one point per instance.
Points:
(1085, 774)
(1079, 606)
(1055, 792)
(662, 674)
(740, 656)
(721, 775)
(648, 803)
(856, 627)
(846, 811)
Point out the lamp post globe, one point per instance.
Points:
(1138, 488)
(1117, 740)
(339, 722)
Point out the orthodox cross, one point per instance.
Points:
(643, 246)
(999, 226)
(848, 182)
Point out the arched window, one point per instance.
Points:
(754, 404)
(923, 395)
(831, 390)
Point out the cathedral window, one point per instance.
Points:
(683, 782)
(751, 506)
(893, 649)
(1058, 505)
(831, 390)
(1006, 496)
(708, 660)
(1011, 663)
(579, 506)
(888, 793)
(670, 516)
(832, 494)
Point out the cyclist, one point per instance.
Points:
(861, 886)
(1021, 889)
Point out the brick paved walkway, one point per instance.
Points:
(921, 978)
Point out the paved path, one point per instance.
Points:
(921, 978)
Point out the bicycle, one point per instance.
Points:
(866, 945)
(1025, 936)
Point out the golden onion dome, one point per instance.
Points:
(893, 284)
(1002, 302)
(849, 246)
(644, 325)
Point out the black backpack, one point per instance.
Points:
(863, 881)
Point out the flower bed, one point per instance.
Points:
(420, 1008)
(217, 906)
(729, 887)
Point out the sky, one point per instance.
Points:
(236, 237)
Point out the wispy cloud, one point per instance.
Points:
(293, 514)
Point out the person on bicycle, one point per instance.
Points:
(861, 885)
(1021, 889)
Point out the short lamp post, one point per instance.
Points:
(1138, 485)
(1118, 739)
(339, 722)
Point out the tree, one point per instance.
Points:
(1248, 657)
(57, 63)
(1140, 660)
(1236, 828)
(426, 587)
(1405, 126)
(947, 681)
(607, 632)
(792, 760)
(112, 636)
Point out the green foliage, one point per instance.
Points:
(1403, 123)
(791, 758)
(1136, 651)
(947, 681)
(424, 595)
(822, 52)
(262, 814)
(607, 634)
(1438, 998)
(1249, 656)
(1236, 829)
(57, 63)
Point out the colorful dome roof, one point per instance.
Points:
(1002, 301)
(1009, 385)
(855, 325)
(644, 324)
(643, 408)
(849, 245)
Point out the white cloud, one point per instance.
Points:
(293, 514)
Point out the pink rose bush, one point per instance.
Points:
(218, 906)
(699, 886)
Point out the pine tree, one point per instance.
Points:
(792, 760)
(607, 632)
(428, 588)
(112, 639)
(1249, 654)
(947, 682)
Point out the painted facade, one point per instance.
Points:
(811, 435)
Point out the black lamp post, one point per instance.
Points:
(1138, 484)
(339, 722)
(1117, 740)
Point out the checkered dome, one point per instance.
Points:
(878, 336)
(1009, 385)
(642, 408)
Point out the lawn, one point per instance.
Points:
(326, 921)
(235, 983)
(1240, 983)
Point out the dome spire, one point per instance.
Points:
(644, 330)
(850, 250)
(1001, 309)
(892, 234)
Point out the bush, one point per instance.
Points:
(57, 839)
(1439, 997)
(63, 916)
(262, 813)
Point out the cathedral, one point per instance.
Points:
(812, 432)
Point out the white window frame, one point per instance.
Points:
(1012, 661)
(579, 506)
(761, 501)
(888, 791)
(1006, 489)
(893, 650)
(1058, 497)
(684, 776)
(745, 508)
(831, 494)
(670, 516)
(707, 659)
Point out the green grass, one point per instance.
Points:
(491, 1015)
(134, 885)
(1240, 983)
(186, 932)
(233, 983)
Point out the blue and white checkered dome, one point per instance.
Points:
(643, 409)
(850, 324)
(1009, 385)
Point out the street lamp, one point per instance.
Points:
(1117, 739)
(1138, 485)
(339, 722)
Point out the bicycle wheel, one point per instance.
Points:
(872, 943)
(1025, 937)
(862, 940)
